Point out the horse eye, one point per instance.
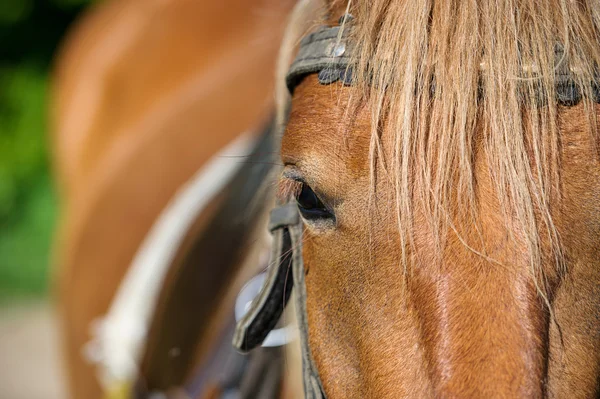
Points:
(310, 205)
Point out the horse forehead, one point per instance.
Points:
(325, 130)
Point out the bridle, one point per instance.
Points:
(286, 226)
(328, 52)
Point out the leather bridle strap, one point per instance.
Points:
(286, 270)
(328, 52)
(267, 307)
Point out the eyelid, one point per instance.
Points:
(293, 173)
(290, 172)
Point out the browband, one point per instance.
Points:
(329, 52)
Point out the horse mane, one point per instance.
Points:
(452, 80)
(438, 73)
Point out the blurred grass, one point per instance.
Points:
(27, 201)
(25, 247)
(30, 31)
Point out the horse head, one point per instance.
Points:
(443, 160)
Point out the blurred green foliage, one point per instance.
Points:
(30, 31)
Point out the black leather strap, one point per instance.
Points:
(267, 308)
(286, 270)
(328, 52)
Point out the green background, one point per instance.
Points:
(30, 32)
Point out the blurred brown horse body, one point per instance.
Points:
(146, 93)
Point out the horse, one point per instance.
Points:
(439, 199)
(158, 119)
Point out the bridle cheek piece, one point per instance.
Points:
(328, 53)
(286, 270)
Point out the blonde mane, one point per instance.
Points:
(450, 80)
(442, 71)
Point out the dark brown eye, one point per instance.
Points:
(310, 205)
